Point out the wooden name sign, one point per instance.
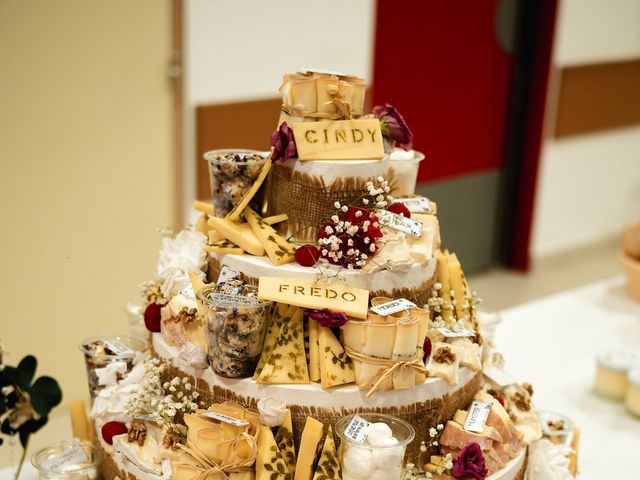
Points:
(339, 139)
(309, 294)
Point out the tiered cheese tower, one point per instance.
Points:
(324, 292)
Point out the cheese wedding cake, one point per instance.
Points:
(312, 325)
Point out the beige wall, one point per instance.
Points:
(85, 181)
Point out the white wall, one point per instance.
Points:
(589, 185)
(240, 49)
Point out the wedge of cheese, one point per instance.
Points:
(255, 186)
(459, 287)
(224, 247)
(335, 365)
(269, 462)
(314, 351)
(288, 360)
(284, 439)
(309, 449)
(239, 233)
(214, 235)
(201, 224)
(279, 250)
(282, 313)
(443, 276)
(328, 466)
(273, 219)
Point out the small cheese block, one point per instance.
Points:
(442, 274)
(224, 247)
(404, 349)
(279, 250)
(470, 354)
(273, 219)
(309, 446)
(214, 235)
(201, 225)
(459, 287)
(204, 207)
(423, 248)
(335, 365)
(328, 466)
(282, 313)
(288, 360)
(238, 233)
(284, 439)
(269, 462)
(255, 186)
(314, 351)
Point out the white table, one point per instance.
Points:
(552, 343)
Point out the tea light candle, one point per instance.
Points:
(611, 373)
(632, 397)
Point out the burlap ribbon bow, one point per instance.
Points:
(394, 366)
(232, 463)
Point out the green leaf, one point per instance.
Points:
(45, 394)
(26, 371)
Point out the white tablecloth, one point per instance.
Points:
(552, 343)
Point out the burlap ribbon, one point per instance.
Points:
(343, 106)
(393, 366)
(232, 463)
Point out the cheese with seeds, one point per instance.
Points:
(279, 250)
(328, 466)
(335, 365)
(224, 247)
(273, 219)
(284, 439)
(281, 313)
(309, 446)
(239, 233)
(314, 350)
(269, 462)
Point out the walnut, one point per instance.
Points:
(137, 432)
(171, 439)
(528, 387)
(479, 339)
(556, 426)
(152, 292)
(444, 355)
(187, 315)
(521, 401)
(494, 393)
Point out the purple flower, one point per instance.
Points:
(328, 318)
(393, 126)
(283, 143)
(469, 464)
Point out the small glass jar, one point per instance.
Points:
(611, 372)
(236, 327)
(405, 166)
(381, 456)
(102, 350)
(68, 460)
(632, 395)
(231, 174)
(556, 427)
(135, 319)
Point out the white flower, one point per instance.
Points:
(335, 219)
(433, 432)
(336, 204)
(344, 208)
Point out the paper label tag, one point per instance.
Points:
(355, 429)
(226, 298)
(400, 223)
(449, 333)
(118, 348)
(477, 416)
(502, 378)
(73, 456)
(393, 306)
(227, 274)
(415, 205)
(188, 292)
(236, 422)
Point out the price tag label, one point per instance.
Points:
(236, 422)
(393, 306)
(500, 377)
(450, 333)
(355, 429)
(73, 456)
(227, 274)
(188, 292)
(477, 416)
(400, 223)
(415, 205)
(118, 348)
(226, 298)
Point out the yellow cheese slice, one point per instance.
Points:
(80, 424)
(284, 439)
(269, 462)
(328, 466)
(314, 351)
(282, 312)
(288, 360)
(442, 272)
(204, 207)
(335, 366)
(201, 224)
(238, 233)
(278, 249)
(255, 186)
(214, 235)
(272, 220)
(309, 446)
(459, 287)
(224, 247)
